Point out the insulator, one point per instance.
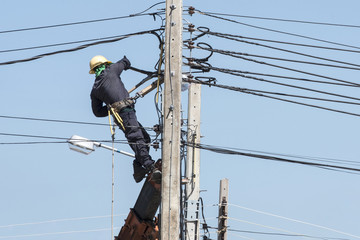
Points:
(191, 10)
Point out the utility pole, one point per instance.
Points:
(223, 209)
(170, 186)
(192, 222)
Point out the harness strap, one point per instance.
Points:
(118, 106)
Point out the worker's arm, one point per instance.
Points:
(98, 108)
(123, 64)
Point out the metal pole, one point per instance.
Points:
(112, 184)
(170, 187)
(223, 209)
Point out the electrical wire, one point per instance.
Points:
(287, 43)
(56, 233)
(61, 121)
(78, 48)
(265, 226)
(242, 90)
(298, 61)
(285, 20)
(297, 221)
(57, 220)
(321, 159)
(296, 78)
(53, 120)
(284, 234)
(277, 31)
(233, 54)
(51, 137)
(234, 72)
(88, 21)
(61, 44)
(235, 38)
(272, 158)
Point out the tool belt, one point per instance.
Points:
(118, 106)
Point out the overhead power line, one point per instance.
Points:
(238, 73)
(86, 22)
(275, 158)
(296, 78)
(64, 139)
(61, 121)
(286, 233)
(281, 234)
(246, 91)
(53, 120)
(285, 20)
(57, 220)
(278, 31)
(297, 221)
(79, 47)
(234, 54)
(287, 43)
(236, 38)
(60, 44)
(265, 226)
(56, 233)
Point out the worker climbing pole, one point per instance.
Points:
(109, 96)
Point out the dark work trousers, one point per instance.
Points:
(137, 137)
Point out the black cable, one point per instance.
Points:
(319, 159)
(234, 72)
(29, 143)
(295, 78)
(282, 234)
(61, 44)
(280, 99)
(53, 120)
(297, 61)
(300, 96)
(291, 43)
(61, 121)
(88, 21)
(55, 138)
(231, 37)
(229, 53)
(271, 158)
(78, 48)
(31, 136)
(285, 20)
(148, 8)
(277, 31)
(205, 226)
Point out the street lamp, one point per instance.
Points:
(86, 146)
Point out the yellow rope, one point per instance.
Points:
(112, 133)
(117, 117)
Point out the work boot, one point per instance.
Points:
(139, 172)
(154, 173)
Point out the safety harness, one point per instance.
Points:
(118, 107)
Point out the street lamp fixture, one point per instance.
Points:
(86, 146)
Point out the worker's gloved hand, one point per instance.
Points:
(126, 63)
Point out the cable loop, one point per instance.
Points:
(211, 80)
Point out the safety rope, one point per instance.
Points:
(116, 116)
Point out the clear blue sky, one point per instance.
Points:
(52, 187)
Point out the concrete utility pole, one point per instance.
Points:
(170, 186)
(223, 209)
(192, 222)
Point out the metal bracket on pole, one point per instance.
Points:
(192, 211)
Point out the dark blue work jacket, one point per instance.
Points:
(108, 87)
